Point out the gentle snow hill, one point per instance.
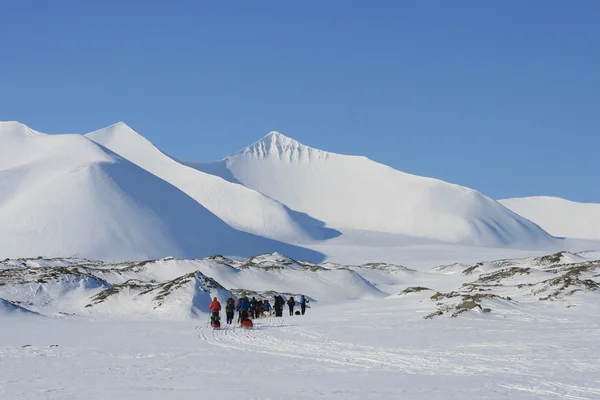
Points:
(240, 207)
(558, 216)
(64, 195)
(351, 193)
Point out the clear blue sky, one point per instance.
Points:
(500, 96)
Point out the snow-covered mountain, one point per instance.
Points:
(240, 207)
(352, 193)
(64, 195)
(558, 216)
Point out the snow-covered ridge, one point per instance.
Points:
(238, 206)
(67, 196)
(181, 289)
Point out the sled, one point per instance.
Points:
(247, 324)
(215, 325)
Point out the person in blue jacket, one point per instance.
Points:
(266, 306)
(303, 302)
(243, 308)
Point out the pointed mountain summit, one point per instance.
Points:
(355, 194)
(277, 145)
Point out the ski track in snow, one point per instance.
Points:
(313, 346)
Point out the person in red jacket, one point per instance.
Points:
(215, 307)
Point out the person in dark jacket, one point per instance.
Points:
(291, 303)
(243, 309)
(254, 304)
(230, 309)
(278, 305)
(303, 302)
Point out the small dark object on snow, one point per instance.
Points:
(297, 313)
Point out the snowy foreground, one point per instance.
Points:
(361, 350)
(526, 328)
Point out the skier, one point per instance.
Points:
(291, 303)
(254, 305)
(215, 307)
(229, 309)
(243, 309)
(303, 302)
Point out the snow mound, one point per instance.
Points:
(238, 206)
(184, 297)
(352, 193)
(10, 308)
(558, 216)
(64, 195)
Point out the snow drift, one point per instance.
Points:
(64, 195)
(351, 193)
(558, 216)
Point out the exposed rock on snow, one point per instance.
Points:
(181, 289)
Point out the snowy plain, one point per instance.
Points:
(523, 328)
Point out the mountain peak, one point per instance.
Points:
(276, 144)
(16, 128)
(119, 131)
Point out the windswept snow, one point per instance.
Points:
(558, 216)
(351, 193)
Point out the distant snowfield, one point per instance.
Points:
(559, 217)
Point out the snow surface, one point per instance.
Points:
(538, 340)
(64, 195)
(351, 193)
(558, 216)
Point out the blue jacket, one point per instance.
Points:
(244, 305)
(267, 305)
(302, 300)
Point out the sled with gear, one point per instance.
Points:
(247, 324)
(215, 322)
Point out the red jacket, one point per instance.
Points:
(215, 306)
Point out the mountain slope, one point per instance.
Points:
(352, 193)
(558, 216)
(64, 195)
(238, 206)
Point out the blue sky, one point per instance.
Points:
(503, 97)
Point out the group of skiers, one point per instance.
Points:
(253, 308)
